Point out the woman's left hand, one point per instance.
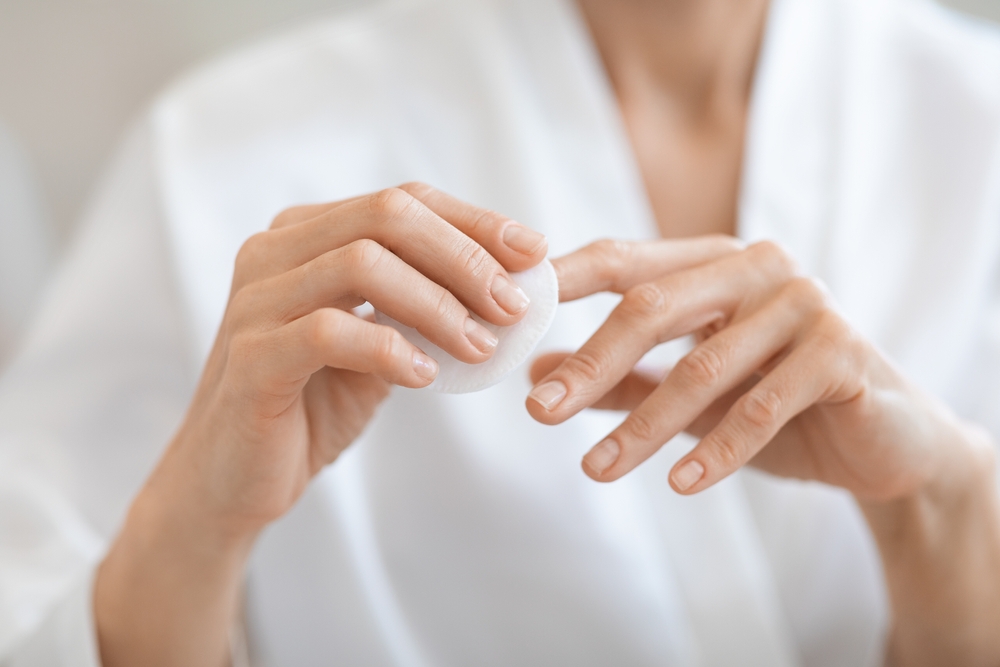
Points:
(778, 378)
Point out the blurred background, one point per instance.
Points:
(73, 73)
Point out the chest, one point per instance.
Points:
(690, 166)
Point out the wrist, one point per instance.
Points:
(940, 548)
(197, 490)
(180, 521)
(168, 589)
(961, 471)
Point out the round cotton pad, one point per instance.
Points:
(515, 344)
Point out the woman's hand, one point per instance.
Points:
(780, 380)
(292, 379)
(777, 378)
(294, 375)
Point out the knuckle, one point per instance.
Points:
(287, 217)
(389, 346)
(612, 257)
(391, 203)
(605, 249)
(702, 367)
(244, 350)
(323, 329)
(587, 366)
(761, 408)
(834, 326)
(644, 301)
(363, 256)
(252, 306)
(770, 250)
(486, 220)
(833, 340)
(727, 243)
(444, 305)
(252, 253)
(475, 261)
(728, 450)
(806, 293)
(417, 189)
(773, 256)
(642, 428)
(242, 303)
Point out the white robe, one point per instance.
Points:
(25, 244)
(458, 531)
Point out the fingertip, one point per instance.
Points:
(686, 477)
(546, 402)
(528, 246)
(601, 459)
(425, 369)
(509, 296)
(590, 472)
(482, 339)
(540, 414)
(548, 395)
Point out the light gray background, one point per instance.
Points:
(73, 72)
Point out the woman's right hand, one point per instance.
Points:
(295, 375)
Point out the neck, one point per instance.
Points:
(696, 56)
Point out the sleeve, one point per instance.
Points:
(66, 636)
(86, 407)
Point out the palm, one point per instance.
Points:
(337, 404)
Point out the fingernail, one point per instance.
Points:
(549, 395)
(480, 337)
(688, 475)
(424, 366)
(602, 456)
(508, 295)
(523, 240)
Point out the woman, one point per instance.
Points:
(862, 136)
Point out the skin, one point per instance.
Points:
(778, 379)
(291, 381)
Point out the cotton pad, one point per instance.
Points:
(515, 344)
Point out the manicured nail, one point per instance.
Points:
(424, 366)
(508, 295)
(549, 395)
(481, 338)
(523, 240)
(688, 475)
(602, 456)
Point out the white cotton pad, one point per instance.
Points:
(515, 344)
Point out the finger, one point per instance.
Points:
(545, 364)
(281, 360)
(626, 395)
(515, 246)
(713, 414)
(630, 392)
(653, 313)
(616, 266)
(413, 232)
(365, 271)
(813, 372)
(296, 214)
(703, 376)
